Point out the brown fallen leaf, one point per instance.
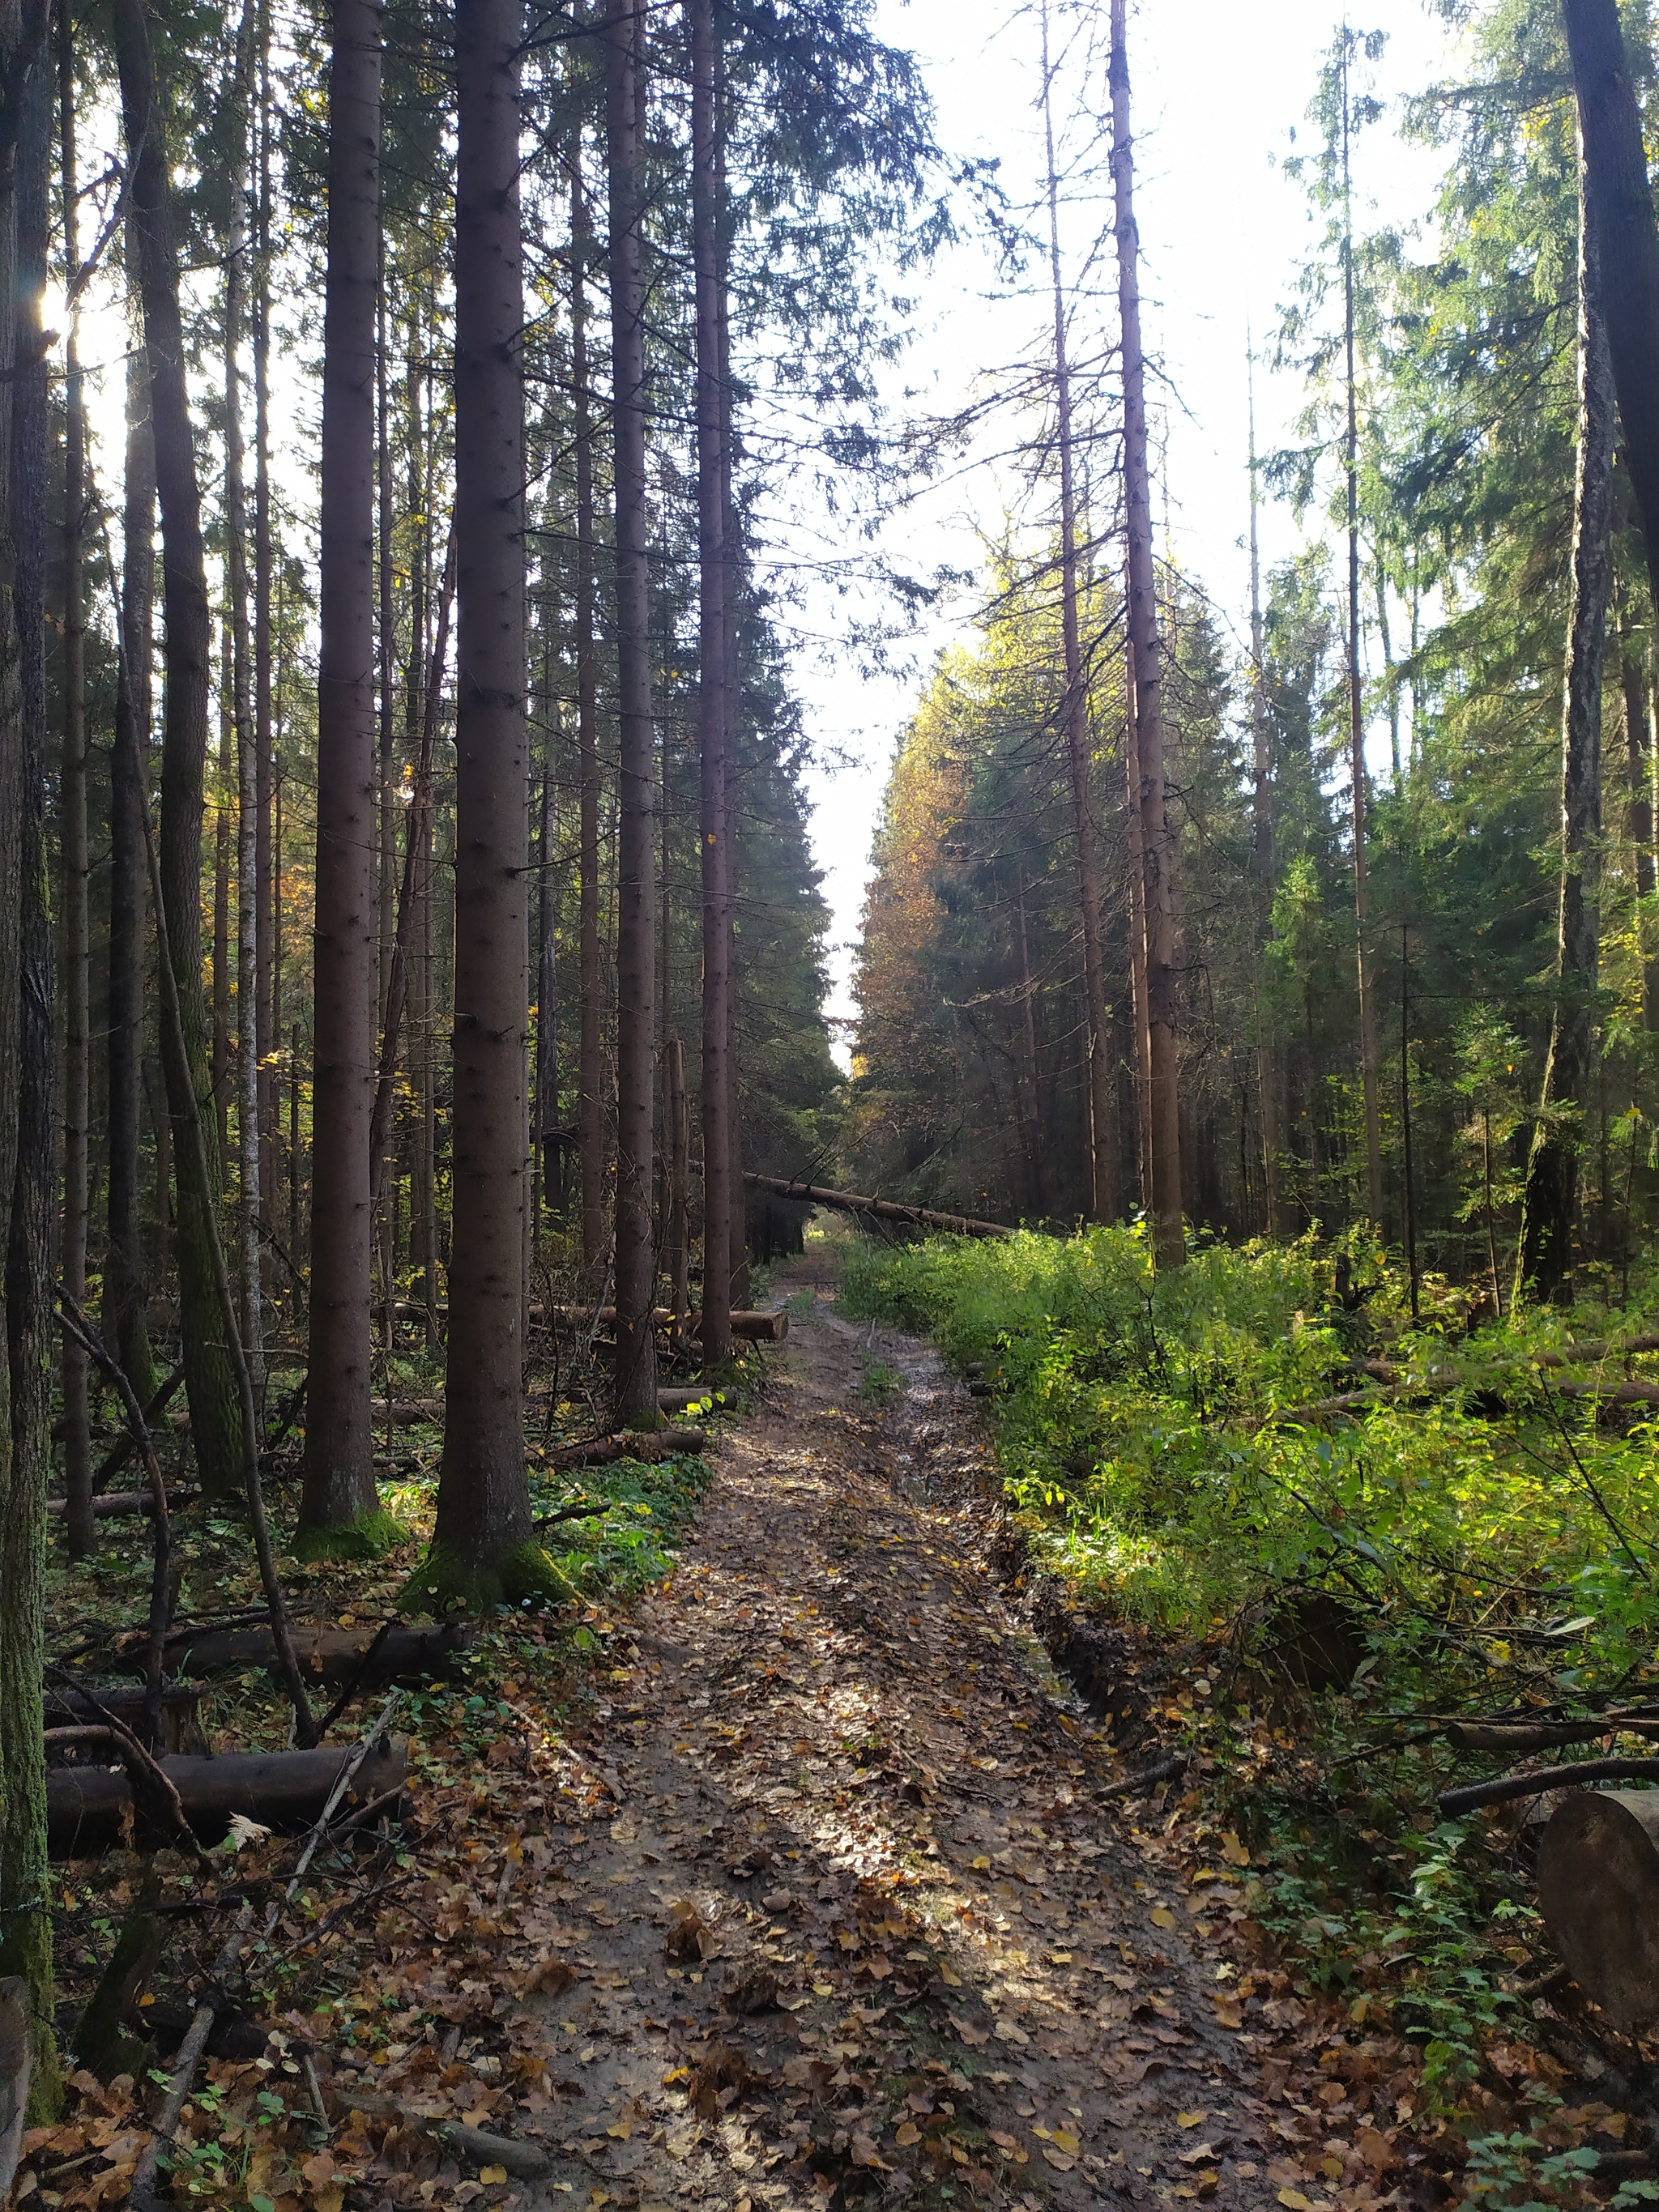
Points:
(1058, 2158)
(550, 1978)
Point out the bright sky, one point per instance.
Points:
(1217, 88)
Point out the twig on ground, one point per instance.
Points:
(144, 2194)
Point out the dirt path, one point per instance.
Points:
(855, 1921)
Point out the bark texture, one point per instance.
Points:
(1549, 1203)
(26, 1135)
(339, 1495)
(1616, 188)
(481, 1542)
(712, 714)
(635, 1403)
(590, 1104)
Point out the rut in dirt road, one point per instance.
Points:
(856, 1925)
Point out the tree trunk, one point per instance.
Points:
(1549, 1202)
(248, 1033)
(267, 1019)
(548, 1136)
(1103, 1164)
(339, 1503)
(1263, 870)
(711, 694)
(1639, 816)
(1137, 925)
(1615, 185)
(1362, 896)
(225, 783)
(677, 1143)
(211, 1384)
(590, 1103)
(738, 1274)
(483, 1529)
(72, 837)
(1168, 1240)
(27, 1138)
(126, 1274)
(635, 1405)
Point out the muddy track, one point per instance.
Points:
(851, 1921)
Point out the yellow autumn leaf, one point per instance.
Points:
(492, 2173)
(1162, 1916)
(621, 2130)
(1235, 1853)
(950, 1981)
(1294, 2201)
(1191, 2119)
(1066, 2141)
(909, 2134)
(982, 1863)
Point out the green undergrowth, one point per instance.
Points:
(1478, 1536)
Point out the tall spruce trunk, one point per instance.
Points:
(211, 1384)
(1263, 872)
(1369, 1077)
(549, 1136)
(590, 1100)
(125, 1272)
(739, 1292)
(1549, 1202)
(27, 1137)
(248, 1033)
(72, 845)
(712, 698)
(482, 1548)
(339, 1503)
(1638, 814)
(1074, 710)
(1615, 185)
(635, 1271)
(1163, 1117)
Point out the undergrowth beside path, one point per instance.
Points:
(1321, 1533)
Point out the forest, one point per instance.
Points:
(451, 1251)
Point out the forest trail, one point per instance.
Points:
(838, 1766)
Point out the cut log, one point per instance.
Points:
(1598, 1888)
(881, 1209)
(328, 1656)
(110, 1505)
(755, 1327)
(180, 1729)
(524, 2161)
(641, 1445)
(88, 1809)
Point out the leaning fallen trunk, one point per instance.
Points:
(327, 1657)
(90, 1808)
(880, 1209)
(1598, 1887)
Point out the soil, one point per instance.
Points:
(852, 1921)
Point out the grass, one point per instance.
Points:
(1486, 1526)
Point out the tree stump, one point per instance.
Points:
(1598, 1888)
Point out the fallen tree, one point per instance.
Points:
(113, 1504)
(881, 1209)
(646, 1444)
(90, 1808)
(330, 1658)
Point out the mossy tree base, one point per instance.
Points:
(367, 1537)
(445, 1584)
